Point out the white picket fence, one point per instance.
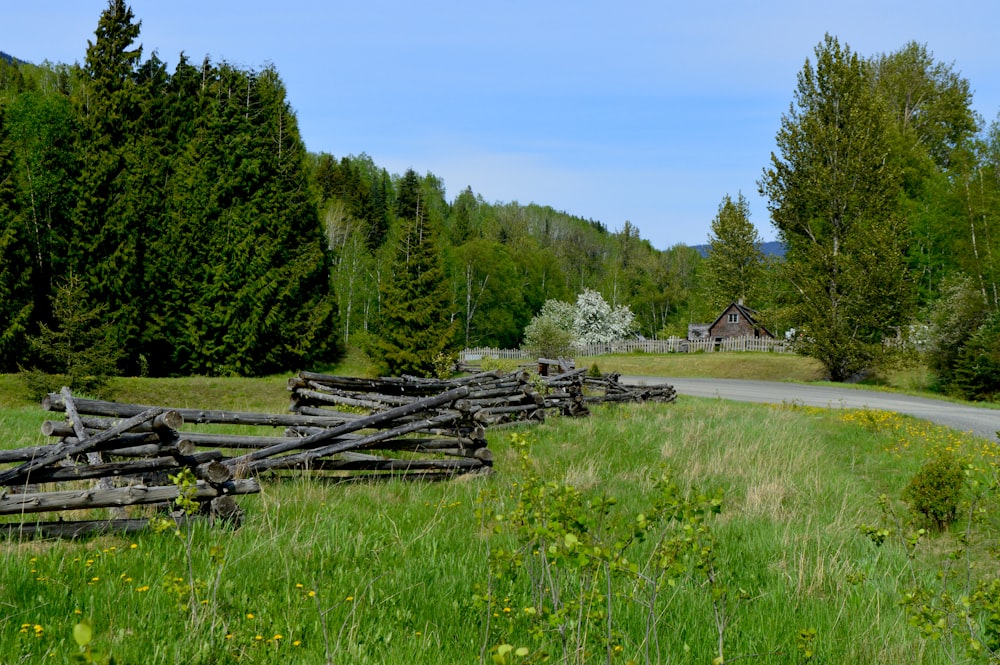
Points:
(669, 345)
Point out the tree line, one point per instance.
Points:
(183, 208)
(186, 214)
(179, 202)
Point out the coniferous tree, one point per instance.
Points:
(15, 264)
(255, 280)
(107, 247)
(734, 266)
(834, 200)
(415, 326)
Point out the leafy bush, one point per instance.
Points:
(934, 492)
(546, 338)
(489, 363)
(976, 372)
(953, 318)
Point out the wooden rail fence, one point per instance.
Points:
(669, 345)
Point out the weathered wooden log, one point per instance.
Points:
(93, 457)
(223, 508)
(398, 385)
(233, 441)
(14, 504)
(310, 397)
(114, 469)
(133, 447)
(343, 446)
(169, 421)
(319, 438)
(17, 474)
(124, 440)
(372, 463)
(70, 530)
(392, 400)
(54, 402)
(213, 472)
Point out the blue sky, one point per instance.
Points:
(642, 111)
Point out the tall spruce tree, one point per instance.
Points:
(107, 248)
(15, 264)
(252, 286)
(415, 325)
(834, 200)
(735, 263)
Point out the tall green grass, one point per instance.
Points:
(390, 572)
(395, 572)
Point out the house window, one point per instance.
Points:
(734, 318)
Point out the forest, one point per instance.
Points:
(178, 218)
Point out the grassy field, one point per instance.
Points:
(532, 557)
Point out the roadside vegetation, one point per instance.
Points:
(679, 533)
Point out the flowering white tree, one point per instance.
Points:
(560, 326)
(595, 322)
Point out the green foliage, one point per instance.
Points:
(81, 351)
(414, 325)
(735, 264)
(977, 367)
(834, 200)
(550, 333)
(573, 556)
(935, 491)
(954, 320)
(489, 363)
(83, 635)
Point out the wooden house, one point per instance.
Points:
(736, 320)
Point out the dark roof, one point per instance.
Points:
(749, 314)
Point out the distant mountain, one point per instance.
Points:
(772, 248)
(8, 58)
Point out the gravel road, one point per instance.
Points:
(979, 421)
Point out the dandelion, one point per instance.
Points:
(298, 586)
(229, 636)
(297, 643)
(133, 546)
(311, 594)
(144, 588)
(259, 638)
(249, 615)
(349, 599)
(278, 636)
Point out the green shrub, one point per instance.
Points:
(595, 371)
(976, 373)
(934, 492)
(489, 363)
